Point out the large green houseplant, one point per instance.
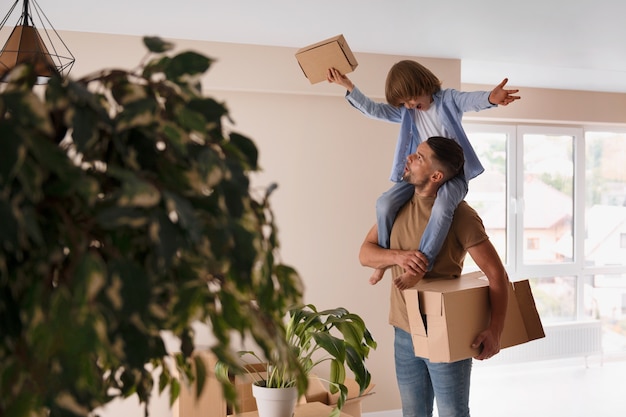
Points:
(314, 337)
(126, 211)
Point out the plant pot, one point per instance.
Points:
(275, 402)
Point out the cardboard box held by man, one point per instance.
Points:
(446, 315)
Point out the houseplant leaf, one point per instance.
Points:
(126, 212)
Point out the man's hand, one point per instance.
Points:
(412, 262)
(502, 97)
(334, 76)
(488, 343)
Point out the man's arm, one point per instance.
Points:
(374, 256)
(487, 259)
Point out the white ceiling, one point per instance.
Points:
(570, 44)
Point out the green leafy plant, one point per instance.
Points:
(126, 211)
(336, 336)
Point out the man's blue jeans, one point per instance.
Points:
(420, 382)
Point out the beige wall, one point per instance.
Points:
(557, 106)
(330, 162)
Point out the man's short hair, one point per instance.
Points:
(449, 154)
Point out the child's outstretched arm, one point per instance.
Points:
(334, 76)
(502, 97)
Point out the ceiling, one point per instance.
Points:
(565, 44)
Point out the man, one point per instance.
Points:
(420, 381)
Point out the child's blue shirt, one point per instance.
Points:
(450, 104)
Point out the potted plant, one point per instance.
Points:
(126, 212)
(314, 337)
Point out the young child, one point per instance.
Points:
(416, 100)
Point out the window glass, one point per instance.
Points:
(487, 192)
(555, 298)
(548, 193)
(605, 300)
(605, 199)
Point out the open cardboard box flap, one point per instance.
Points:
(317, 392)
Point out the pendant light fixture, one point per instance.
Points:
(29, 44)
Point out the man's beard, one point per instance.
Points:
(419, 184)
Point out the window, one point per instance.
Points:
(605, 198)
(553, 201)
(547, 193)
(488, 192)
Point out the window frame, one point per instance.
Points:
(513, 261)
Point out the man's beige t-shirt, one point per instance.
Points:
(466, 231)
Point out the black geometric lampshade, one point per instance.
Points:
(27, 44)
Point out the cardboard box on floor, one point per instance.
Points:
(316, 59)
(315, 409)
(317, 392)
(456, 310)
(243, 386)
(211, 402)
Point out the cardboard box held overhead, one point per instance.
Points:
(446, 316)
(316, 59)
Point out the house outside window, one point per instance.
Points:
(532, 243)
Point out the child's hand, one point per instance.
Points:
(334, 76)
(501, 96)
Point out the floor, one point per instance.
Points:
(595, 387)
(565, 388)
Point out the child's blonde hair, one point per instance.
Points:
(407, 80)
